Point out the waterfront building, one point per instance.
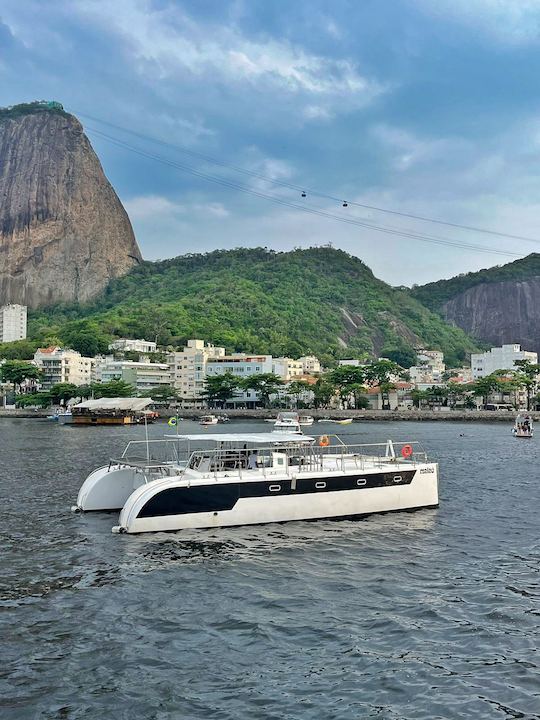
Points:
(242, 366)
(127, 345)
(13, 319)
(399, 397)
(59, 365)
(188, 369)
(499, 358)
(142, 376)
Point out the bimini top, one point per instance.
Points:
(119, 403)
(282, 438)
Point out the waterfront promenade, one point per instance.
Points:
(360, 415)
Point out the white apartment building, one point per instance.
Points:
(287, 368)
(188, 368)
(63, 366)
(431, 358)
(354, 362)
(125, 345)
(141, 375)
(499, 358)
(311, 365)
(13, 322)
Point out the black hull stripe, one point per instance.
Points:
(221, 496)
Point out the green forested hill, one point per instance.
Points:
(435, 294)
(319, 300)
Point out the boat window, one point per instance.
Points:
(274, 488)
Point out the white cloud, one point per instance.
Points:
(167, 43)
(407, 150)
(149, 206)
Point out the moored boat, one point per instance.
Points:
(252, 478)
(305, 420)
(208, 420)
(288, 421)
(523, 426)
(113, 411)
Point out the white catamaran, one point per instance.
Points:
(220, 480)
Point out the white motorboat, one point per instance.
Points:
(305, 420)
(246, 479)
(523, 427)
(208, 420)
(65, 417)
(337, 421)
(288, 421)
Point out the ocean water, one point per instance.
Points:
(432, 614)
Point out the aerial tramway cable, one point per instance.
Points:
(305, 191)
(304, 208)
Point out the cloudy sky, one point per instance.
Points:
(426, 107)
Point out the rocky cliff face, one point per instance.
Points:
(499, 312)
(63, 231)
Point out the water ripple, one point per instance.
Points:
(397, 617)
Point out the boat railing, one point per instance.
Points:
(303, 458)
(150, 453)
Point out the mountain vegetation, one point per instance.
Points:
(319, 300)
(435, 294)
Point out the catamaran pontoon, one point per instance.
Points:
(244, 479)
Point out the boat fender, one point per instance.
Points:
(407, 451)
(118, 530)
(324, 441)
(76, 509)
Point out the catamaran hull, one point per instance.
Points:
(107, 488)
(167, 505)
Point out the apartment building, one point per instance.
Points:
(188, 368)
(142, 376)
(13, 322)
(59, 365)
(127, 345)
(499, 358)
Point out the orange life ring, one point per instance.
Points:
(324, 441)
(407, 451)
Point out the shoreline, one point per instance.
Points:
(365, 415)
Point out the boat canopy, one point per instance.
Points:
(283, 438)
(119, 403)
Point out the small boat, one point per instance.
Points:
(288, 421)
(346, 421)
(65, 417)
(207, 420)
(523, 427)
(224, 418)
(225, 479)
(305, 420)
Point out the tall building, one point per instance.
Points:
(63, 366)
(499, 358)
(12, 323)
(188, 368)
